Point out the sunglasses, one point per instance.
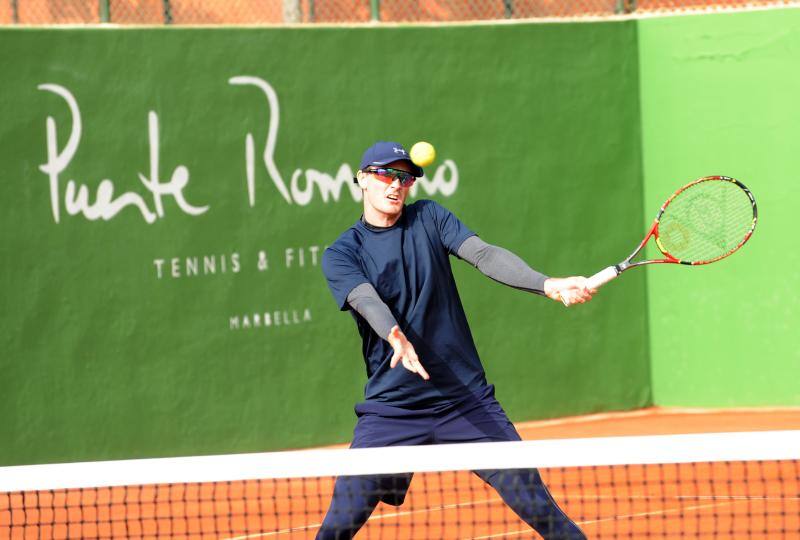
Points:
(387, 176)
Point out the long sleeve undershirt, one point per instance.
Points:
(495, 262)
(501, 265)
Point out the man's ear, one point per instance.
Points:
(361, 179)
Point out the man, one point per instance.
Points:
(391, 269)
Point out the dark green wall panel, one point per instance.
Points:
(537, 131)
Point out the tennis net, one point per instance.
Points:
(726, 485)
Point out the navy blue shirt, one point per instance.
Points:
(409, 266)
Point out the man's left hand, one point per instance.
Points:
(404, 352)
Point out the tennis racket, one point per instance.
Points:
(703, 222)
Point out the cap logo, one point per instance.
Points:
(399, 150)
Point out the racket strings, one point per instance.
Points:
(706, 221)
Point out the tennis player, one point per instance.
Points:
(391, 270)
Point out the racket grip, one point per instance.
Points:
(597, 280)
(594, 282)
(602, 277)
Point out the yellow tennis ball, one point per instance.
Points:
(423, 153)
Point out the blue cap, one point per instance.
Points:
(385, 152)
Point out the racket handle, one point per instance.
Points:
(597, 280)
(602, 277)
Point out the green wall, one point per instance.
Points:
(114, 347)
(558, 141)
(720, 96)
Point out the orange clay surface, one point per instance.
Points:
(756, 500)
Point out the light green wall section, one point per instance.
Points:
(721, 95)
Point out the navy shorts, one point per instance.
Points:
(477, 419)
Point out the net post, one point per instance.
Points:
(311, 10)
(375, 10)
(105, 11)
(167, 12)
(508, 8)
(14, 12)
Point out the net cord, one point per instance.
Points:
(740, 446)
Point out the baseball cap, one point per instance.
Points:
(385, 152)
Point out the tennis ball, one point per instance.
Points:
(423, 153)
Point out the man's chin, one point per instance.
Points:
(392, 209)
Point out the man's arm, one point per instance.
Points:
(507, 268)
(365, 301)
(501, 265)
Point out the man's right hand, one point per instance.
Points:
(571, 290)
(404, 352)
